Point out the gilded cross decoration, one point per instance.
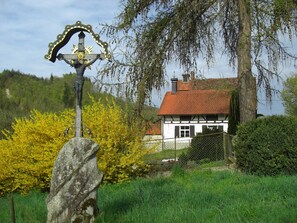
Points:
(79, 60)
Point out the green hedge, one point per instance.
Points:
(267, 146)
(205, 147)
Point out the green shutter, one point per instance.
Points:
(192, 131)
(176, 131)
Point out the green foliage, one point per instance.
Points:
(207, 145)
(21, 93)
(289, 95)
(178, 171)
(68, 96)
(28, 153)
(183, 159)
(156, 33)
(267, 146)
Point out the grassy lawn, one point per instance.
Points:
(195, 196)
(165, 154)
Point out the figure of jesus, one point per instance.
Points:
(80, 69)
(79, 61)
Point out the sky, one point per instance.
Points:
(27, 27)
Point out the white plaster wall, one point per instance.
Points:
(153, 141)
(169, 128)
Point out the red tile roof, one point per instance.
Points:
(195, 102)
(199, 96)
(154, 129)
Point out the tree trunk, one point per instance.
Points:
(247, 82)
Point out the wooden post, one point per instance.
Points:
(175, 147)
(225, 147)
(12, 209)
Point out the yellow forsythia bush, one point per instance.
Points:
(121, 150)
(28, 154)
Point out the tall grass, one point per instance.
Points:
(202, 197)
(199, 196)
(29, 208)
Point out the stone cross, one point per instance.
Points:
(80, 61)
(76, 178)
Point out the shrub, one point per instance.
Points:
(183, 159)
(27, 155)
(207, 145)
(267, 146)
(121, 153)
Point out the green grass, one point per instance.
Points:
(203, 196)
(220, 163)
(165, 154)
(196, 196)
(29, 208)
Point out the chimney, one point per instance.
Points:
(174, 85)
(186, 78)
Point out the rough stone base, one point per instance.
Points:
(75, 181)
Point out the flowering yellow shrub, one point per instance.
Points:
(121, 148)
(27, 155)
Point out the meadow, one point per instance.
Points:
(200, 195)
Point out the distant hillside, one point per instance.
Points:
(20, 93)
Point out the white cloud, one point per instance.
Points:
(27, 27)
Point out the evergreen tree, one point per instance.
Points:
(21, 93)
(68, 96)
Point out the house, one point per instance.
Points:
(153, 136)
(194, 105)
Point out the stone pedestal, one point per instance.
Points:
(75, 181)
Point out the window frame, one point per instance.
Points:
(185, 131)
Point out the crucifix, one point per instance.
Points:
(79, 59)
(76, 179)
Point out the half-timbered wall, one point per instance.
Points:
(189, 126)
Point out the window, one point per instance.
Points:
(212, 127)
(184, 131)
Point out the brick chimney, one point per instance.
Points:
(174, 85)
